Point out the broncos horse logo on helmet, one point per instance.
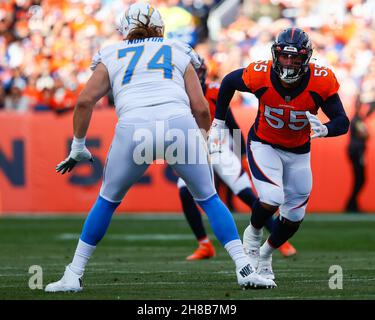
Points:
(291, 53)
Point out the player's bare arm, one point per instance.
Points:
(97, 86)
(198, 102)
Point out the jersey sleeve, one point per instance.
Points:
(103, 56)
(188, 50)
(332, 85)
(256, 75)
(96, 60)
(325, 82)
(247, 77)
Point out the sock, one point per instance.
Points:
(204, 240)
(253, 234)
(98, 220)
(192, 213)
(237, 253)
(248, 197)
(283, 230)
(266, 249)
(81, 257)
(269, 224)
(220, 218)
(260, 215)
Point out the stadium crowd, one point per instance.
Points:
(46, 46)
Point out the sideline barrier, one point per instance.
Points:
(32, 144)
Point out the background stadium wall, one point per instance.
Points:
(32, 144)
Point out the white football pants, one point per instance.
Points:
(137, 143)
(281, 178)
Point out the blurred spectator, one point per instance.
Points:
(356, 151)
(179, 22)
(16, 101)
(2, 97)
(200, 10)
(49, 43)
(359, 137)
(367, 95)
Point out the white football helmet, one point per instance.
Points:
(140, 13)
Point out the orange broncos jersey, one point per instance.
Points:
(212, 91)
(281, 119)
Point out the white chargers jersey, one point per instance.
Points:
(147, 77)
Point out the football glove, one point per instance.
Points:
(216, 137)
(78, 153)
(320, 130)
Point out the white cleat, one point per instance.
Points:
(248, 278)
(265, 268)
(70, 282)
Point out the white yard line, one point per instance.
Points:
(133, 237)
(177, 216)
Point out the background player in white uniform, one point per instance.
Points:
(154, 85)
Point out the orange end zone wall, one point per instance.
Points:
(31, 145)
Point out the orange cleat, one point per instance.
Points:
(204, 251)
(287, 250)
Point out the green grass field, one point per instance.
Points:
(143, 257)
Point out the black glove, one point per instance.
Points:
(67, 165)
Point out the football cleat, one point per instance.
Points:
(287, 250)
(248, 278)
(204, 251)
(70, 282)
(265, 268)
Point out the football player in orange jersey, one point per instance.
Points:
(230, 171)
(290, 91)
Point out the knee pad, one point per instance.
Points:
(273, 196)
(295, 209)
(302, 182)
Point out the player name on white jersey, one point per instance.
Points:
(147, 77)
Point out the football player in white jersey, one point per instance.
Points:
(155, 87)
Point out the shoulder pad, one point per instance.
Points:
(325, 82)
(96, 60)
(187, 49)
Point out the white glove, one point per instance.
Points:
(217, 135)
(320, 130)
(78, 152)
